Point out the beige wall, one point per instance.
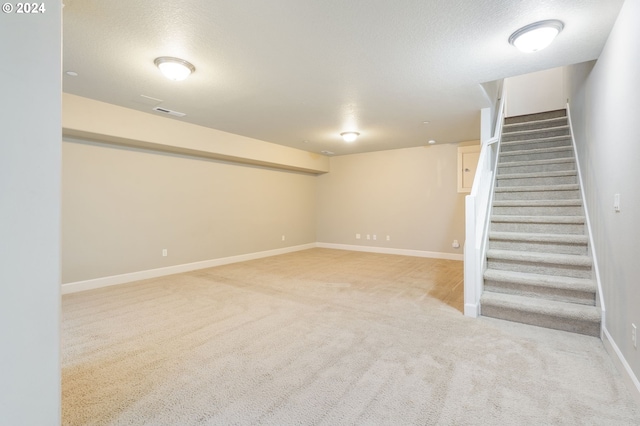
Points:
(605, 106)
(121, 206)
(409, 194)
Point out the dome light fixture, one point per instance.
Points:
(174, 68)
(536, 36)
(349, 136)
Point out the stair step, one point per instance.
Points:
(537, 203)
(538, 207)
(556, 173)
(536, 133)
(569, 224)
(547, 115)
(559, 177)
(537, 192)
(534, 188)
(534, 166)
(541, 243)
(543, 210)
(538, 219)
(552, 142)
(538, 124)
(569, 265)
(536, 154)
(565, 289)
(554, 314)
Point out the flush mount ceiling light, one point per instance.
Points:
(536, 36)
(174, 68)
(349, 136)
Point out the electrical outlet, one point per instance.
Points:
(388, 237)
(283, 238)
(164, 252)
(375, 237)
(634, 336)
(357, 236)
(368, 237)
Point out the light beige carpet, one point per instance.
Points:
(324, 337)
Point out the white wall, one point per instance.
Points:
(30, 217)
(536, 92)
(409, 194)
(605, 108)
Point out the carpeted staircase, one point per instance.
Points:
(539, 268)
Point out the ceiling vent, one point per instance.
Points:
(170, 112)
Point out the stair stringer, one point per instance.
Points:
(592, 249)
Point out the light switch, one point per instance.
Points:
(616, 202)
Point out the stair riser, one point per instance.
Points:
(561, 295)
(558, 323)
(540, 268)
(536, 117)
(528, 156)
(536, 181)
(539, 228)
(505, 168)
(508, 147)
(532, 125)
(535, 134)
(539, 211)
(537, 195)
(539, 247)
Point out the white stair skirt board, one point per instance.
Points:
(387, 250)
(75, 287)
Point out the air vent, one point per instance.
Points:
(327, 152)
(170, 112)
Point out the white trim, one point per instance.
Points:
(77, 286)
(621, 363)
(386, 250)
(596, 270)
(472, 310)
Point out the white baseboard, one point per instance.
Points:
(176, 269)
(386, 250)
(471, 310)
(621, 364)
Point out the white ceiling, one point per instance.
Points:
(299, 72)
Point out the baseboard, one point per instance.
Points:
(75, 287)
(471, 310)
(387, 250)
(621, 364)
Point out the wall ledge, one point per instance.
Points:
(84, 118)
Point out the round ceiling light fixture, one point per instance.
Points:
(349, 136)
(174, 68)
(536, 36)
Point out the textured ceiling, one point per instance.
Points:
(299, 72)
